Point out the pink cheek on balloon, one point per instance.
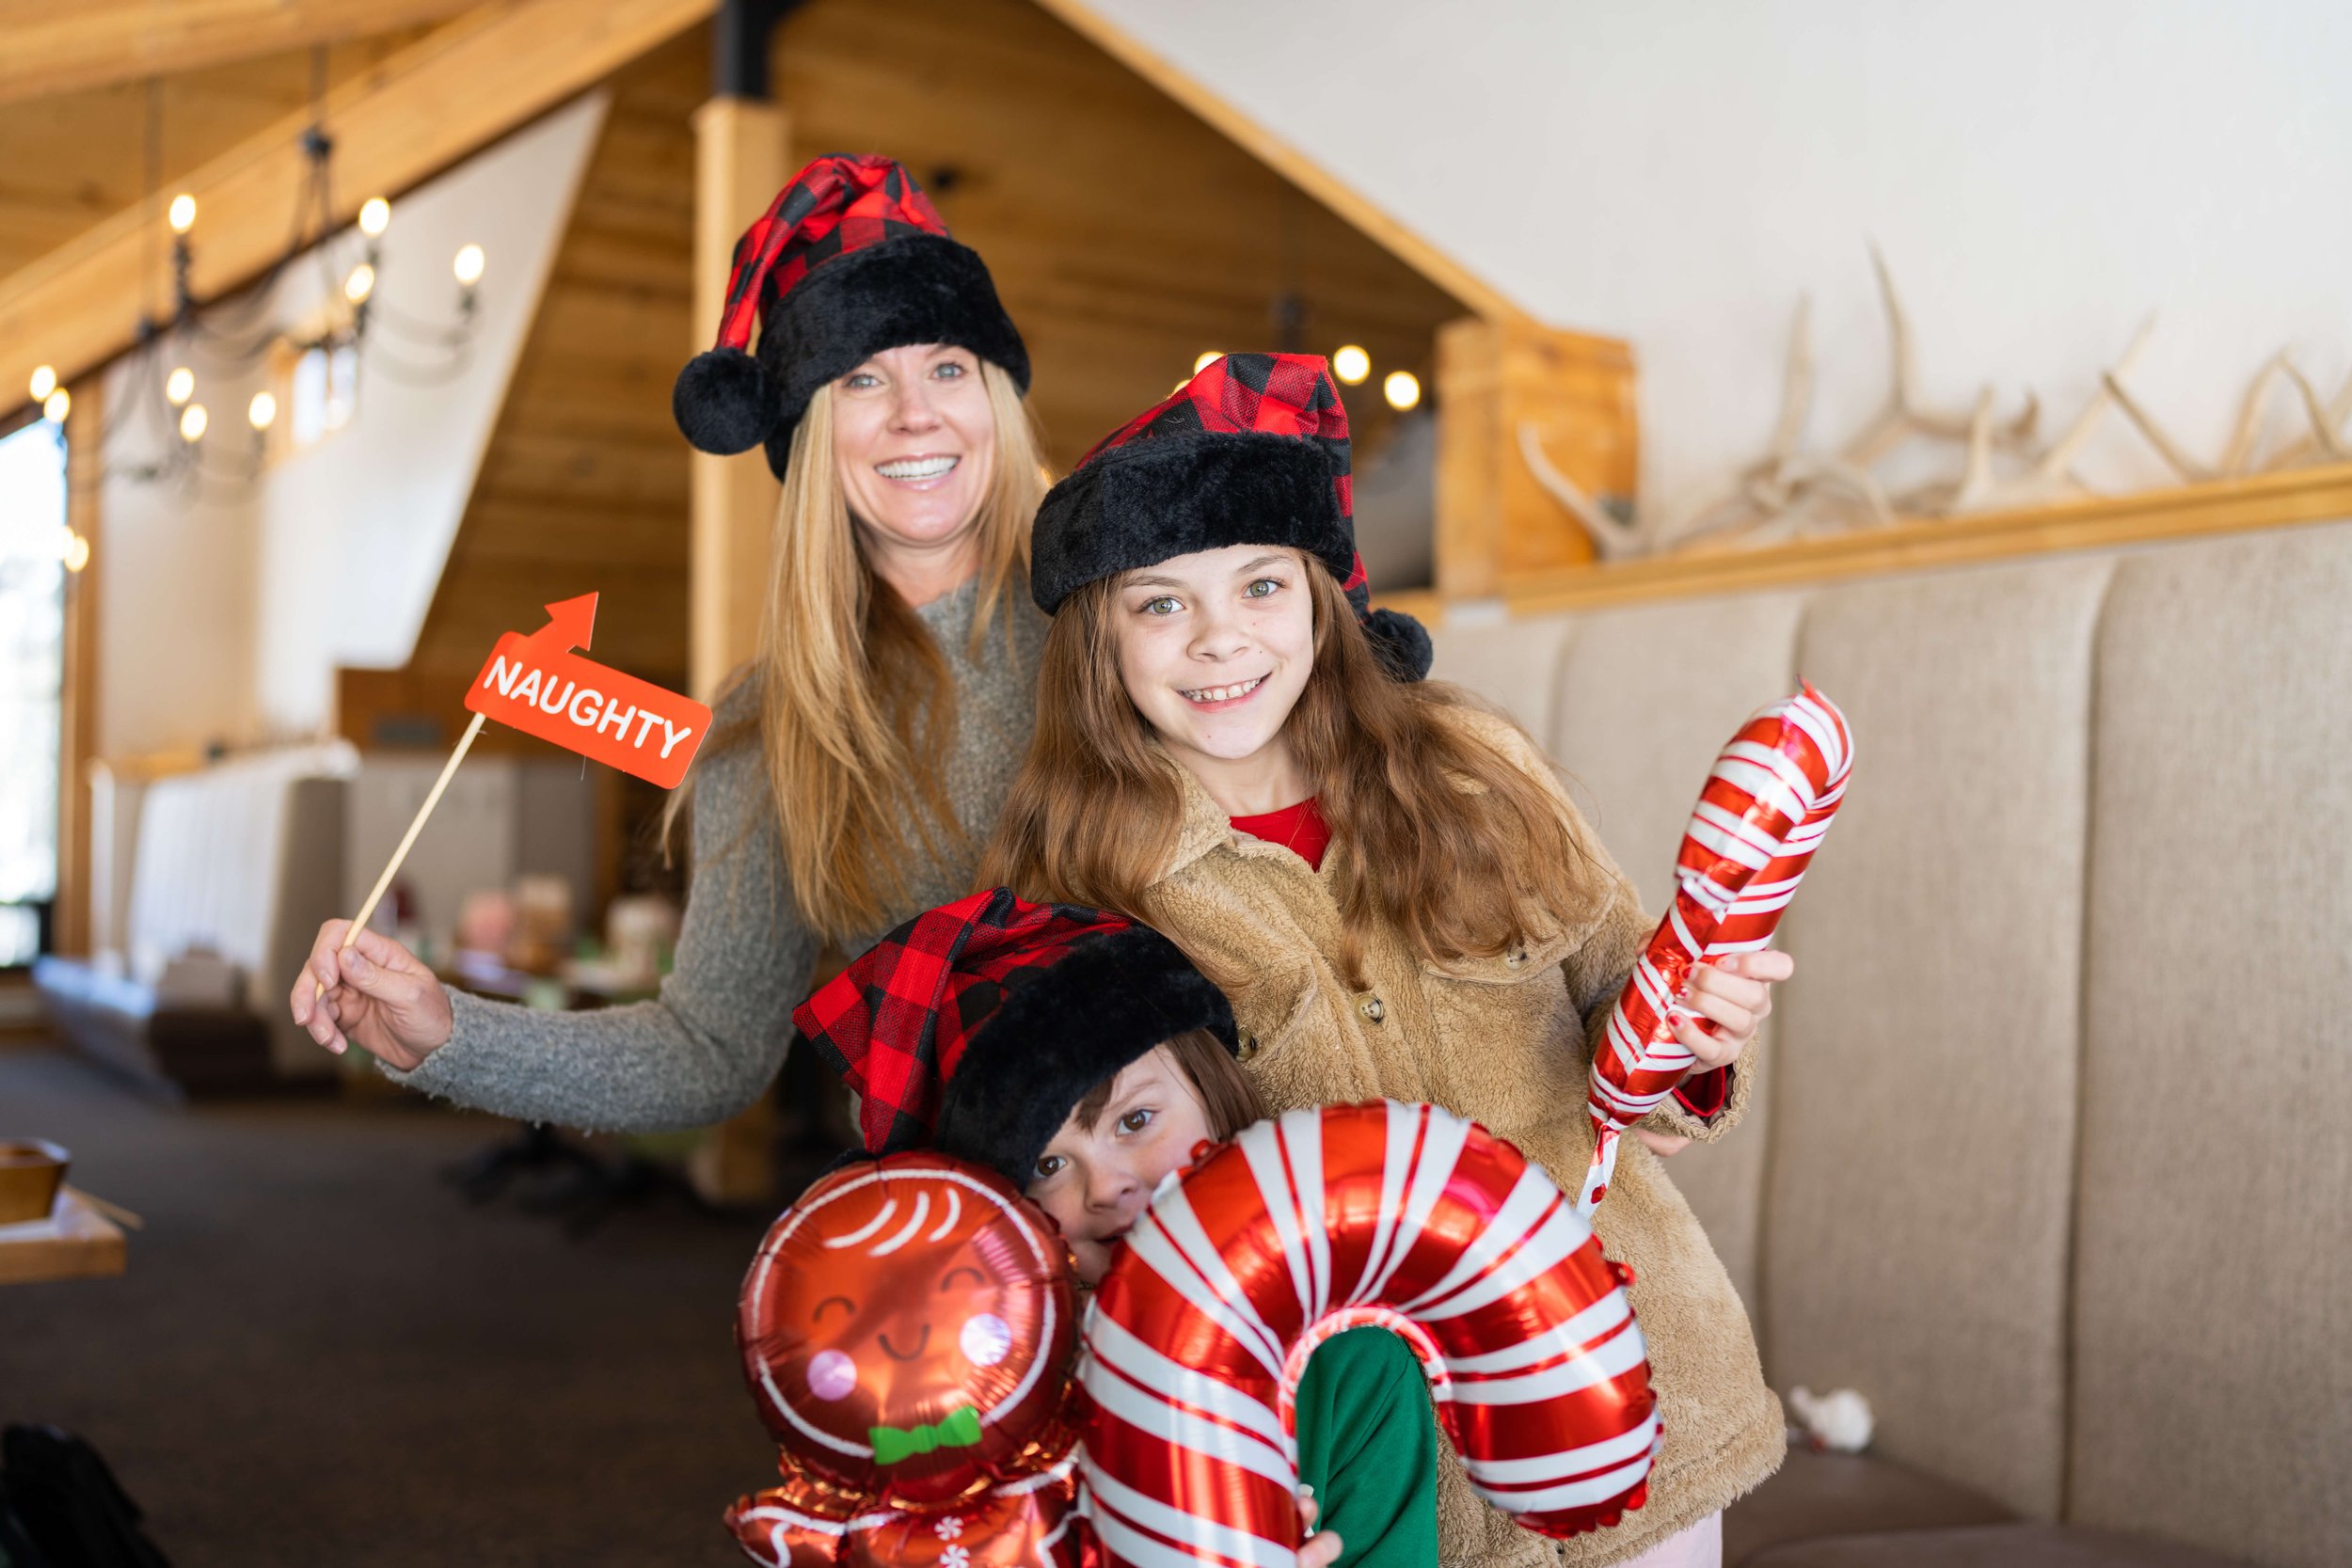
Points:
(831, 1375)
(986, 1339)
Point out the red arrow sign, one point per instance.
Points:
(537, 685)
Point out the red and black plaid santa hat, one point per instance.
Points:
(851, 259)
(1251, 451)
(975, 1027)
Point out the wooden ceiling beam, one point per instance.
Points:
(95, 44)
(1406, 245)
(451, 93)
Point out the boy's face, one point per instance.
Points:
(1214, 648)
(1095, 1180)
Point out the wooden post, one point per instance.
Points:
(77, 729)
(1495, 521)
(741, 159)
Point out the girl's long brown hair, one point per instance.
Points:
(1448, 841)
(857, 709)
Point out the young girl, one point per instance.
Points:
(1389, 882)
(1085, 1058)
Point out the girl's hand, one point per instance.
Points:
(1317, 1550)
(1732, 995)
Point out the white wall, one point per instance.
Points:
(177, 587)
(224, 612)
(1678, 172)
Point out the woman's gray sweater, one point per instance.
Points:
(708, 1046)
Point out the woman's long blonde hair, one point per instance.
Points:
(857, 710)
(1450, 842)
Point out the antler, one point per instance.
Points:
(2325, 418)
(1901, 416)
(2238, 456)
(1613, 539)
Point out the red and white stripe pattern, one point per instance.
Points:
(1767, 804)
(1406, 1217)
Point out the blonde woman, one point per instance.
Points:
(857, 765)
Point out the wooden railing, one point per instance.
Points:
(2224, 506)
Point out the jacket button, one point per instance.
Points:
(1373, 1009)
(1249, 1048)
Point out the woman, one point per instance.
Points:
(858, 763)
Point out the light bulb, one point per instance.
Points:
(1402, 388)
(192, 422)
(262, 411)
(375, 216)
(56, 405)
(469, 265)
(179, 385)
(44, 382)
(1211, 358)
(76, 552)
(1351, 364)
(360, 284)
(183, 212)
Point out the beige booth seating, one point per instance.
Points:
(233, 868)
(2051, 1160)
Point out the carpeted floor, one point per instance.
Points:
(320, 1353)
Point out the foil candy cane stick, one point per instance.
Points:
(1404, 1217)
(1766, 806)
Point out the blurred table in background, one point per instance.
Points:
(76, 1241)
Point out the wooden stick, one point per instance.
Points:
(114, 1211)
(432, 799)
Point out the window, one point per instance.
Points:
(34, 544)
(321, 388)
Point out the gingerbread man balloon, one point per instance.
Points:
(906, 1330)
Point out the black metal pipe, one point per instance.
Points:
(740, 35)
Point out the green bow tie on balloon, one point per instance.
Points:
(958, 1430)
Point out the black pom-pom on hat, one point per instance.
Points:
(1402, 642)
(723, 402)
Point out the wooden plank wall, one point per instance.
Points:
(1124, 234)
(583, 486)
(1125, 237)
(75, 158)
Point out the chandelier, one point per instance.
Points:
(312, 375)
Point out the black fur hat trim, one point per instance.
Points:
(1140, 504)
(916, 289)
(1063, 1030)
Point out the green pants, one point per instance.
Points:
(1368, 1445)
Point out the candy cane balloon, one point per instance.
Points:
(1766, 807)
(1405, 1217)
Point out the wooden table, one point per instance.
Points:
(81, 1242)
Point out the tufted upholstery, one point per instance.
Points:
(2051, 1164)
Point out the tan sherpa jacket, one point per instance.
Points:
(1505, 1041)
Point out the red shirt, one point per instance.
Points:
(1301, 829)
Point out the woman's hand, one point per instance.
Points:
(1732, 996)
(376, 993)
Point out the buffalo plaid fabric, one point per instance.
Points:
(835, 205)
(1274, 394)
(895, 1022)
